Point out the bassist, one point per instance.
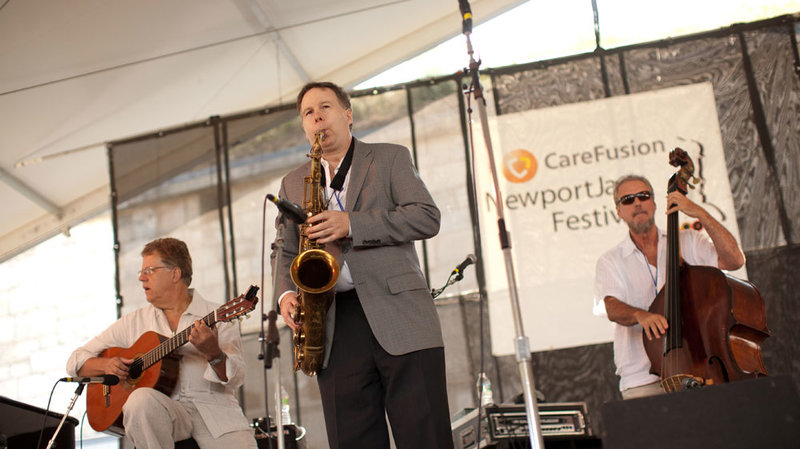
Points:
(211, 367)
(629, 276)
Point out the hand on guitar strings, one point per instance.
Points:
(205, 340)
(117, 366)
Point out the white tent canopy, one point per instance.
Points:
(77, 74)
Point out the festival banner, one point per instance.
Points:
(556, 168)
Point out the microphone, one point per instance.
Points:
(289, 208)
(105, 379)
(466, 15)
(459, 270)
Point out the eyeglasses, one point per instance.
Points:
(629, 199)
(147, 271)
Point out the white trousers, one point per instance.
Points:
(643, 391)
(154, 421)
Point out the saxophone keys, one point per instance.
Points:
(297, 315)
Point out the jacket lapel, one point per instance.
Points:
(362, 159)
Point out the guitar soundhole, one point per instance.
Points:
(135, 370)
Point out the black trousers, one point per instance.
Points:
(363, 383)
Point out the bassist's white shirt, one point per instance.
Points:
(197, 382)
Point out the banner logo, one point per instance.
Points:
(519, 166)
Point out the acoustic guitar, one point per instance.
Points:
(155, 366)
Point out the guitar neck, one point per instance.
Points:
(234, 308)
(167, 346)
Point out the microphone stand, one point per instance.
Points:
(522, 346)
(270, 342)
(78, 392)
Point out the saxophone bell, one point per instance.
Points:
(314, 271)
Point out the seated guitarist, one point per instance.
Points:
(202, 405)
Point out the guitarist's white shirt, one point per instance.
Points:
(197, 382)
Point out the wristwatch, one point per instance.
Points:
(218, 360)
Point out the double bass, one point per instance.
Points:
(716, 322)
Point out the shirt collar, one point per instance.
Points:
(195, 308)
(628, 247)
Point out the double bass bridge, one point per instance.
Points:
(680, 382)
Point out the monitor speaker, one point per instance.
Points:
(747, 414)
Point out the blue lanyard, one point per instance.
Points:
(650, 272)
(338, 201)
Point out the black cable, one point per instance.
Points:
(475, 84)
(112, 183)
(227, 185)
(44, 419)
(83, 419)
(436, 292)
(221, 203)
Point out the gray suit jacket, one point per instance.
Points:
(389, 208)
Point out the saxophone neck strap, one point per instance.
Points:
(341, 173)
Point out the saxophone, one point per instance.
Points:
(314, 272)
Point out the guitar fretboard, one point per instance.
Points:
(167, 346)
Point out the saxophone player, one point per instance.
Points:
(384, 353)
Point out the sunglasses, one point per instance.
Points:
(629, 199)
